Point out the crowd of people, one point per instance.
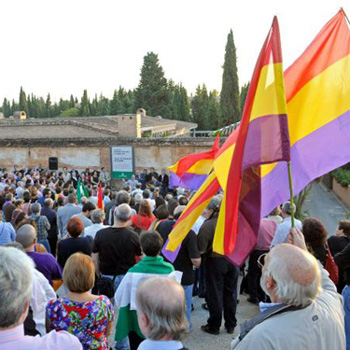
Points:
(76, 276)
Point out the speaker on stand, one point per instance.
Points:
(53, 163)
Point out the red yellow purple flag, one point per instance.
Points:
(262, 138)
(318, 103)
(192, 170)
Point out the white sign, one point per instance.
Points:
(122, 162)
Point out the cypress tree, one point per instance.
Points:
(183, 105)
(23, 106)
(85, 105)
(94, 106)
(152, 92)
(200, 107)
(71, 102)
(6, 108)
(48, 113)
(243, 95)
(229, 100)
(116, 105)
(214, 110)
(103, 106)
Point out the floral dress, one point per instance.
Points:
(87, 321)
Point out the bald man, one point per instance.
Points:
(162, 315)
(44, 262)
(306, 310)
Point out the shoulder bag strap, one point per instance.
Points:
(247, 326)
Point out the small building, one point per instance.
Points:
(20, 115)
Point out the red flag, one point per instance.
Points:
(100, 197)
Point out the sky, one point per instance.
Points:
(66, 46)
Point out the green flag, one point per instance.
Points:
(79, 191)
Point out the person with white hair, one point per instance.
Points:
(283, 229)
(41, 295)
(97, 218)
(16, 280)
(306, 310)
(162, 322)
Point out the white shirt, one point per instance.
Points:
(152, 203)
(137, 190)
(283, 229)
(42, 293)
(19, 192)
(93, 229)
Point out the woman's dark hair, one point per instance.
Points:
(26, 196)
(159, 201)
(162, 212)
(151, 243)
(314, 232)
(183, 200)
(60, 202)
(172, 204)
(345, 226)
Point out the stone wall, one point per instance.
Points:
(95, 153)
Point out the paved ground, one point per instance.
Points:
(197, 339)
(324, 205)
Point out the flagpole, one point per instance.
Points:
(291, 193)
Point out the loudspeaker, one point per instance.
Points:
(53, 163)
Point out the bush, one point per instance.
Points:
(342, 176)
(71, 112)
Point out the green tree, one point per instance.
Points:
(48, 112)
(116, 104)
(180, 106)
(71, 112)
(14, 107)
(229, 99)
(6, 108)
(213, 110)
(152, 92)
(85, 105)
(243, 95)
(200, 108)
(71, 102)
(103, 106)
(94, 106)
(23, 106)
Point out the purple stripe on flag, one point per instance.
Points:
(188, 180)
(248, 221)
(267, 141)
(318, 153)
(168, 254)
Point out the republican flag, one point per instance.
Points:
(262, 138)
(192, 170)
(100, 197)
(318, 103)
